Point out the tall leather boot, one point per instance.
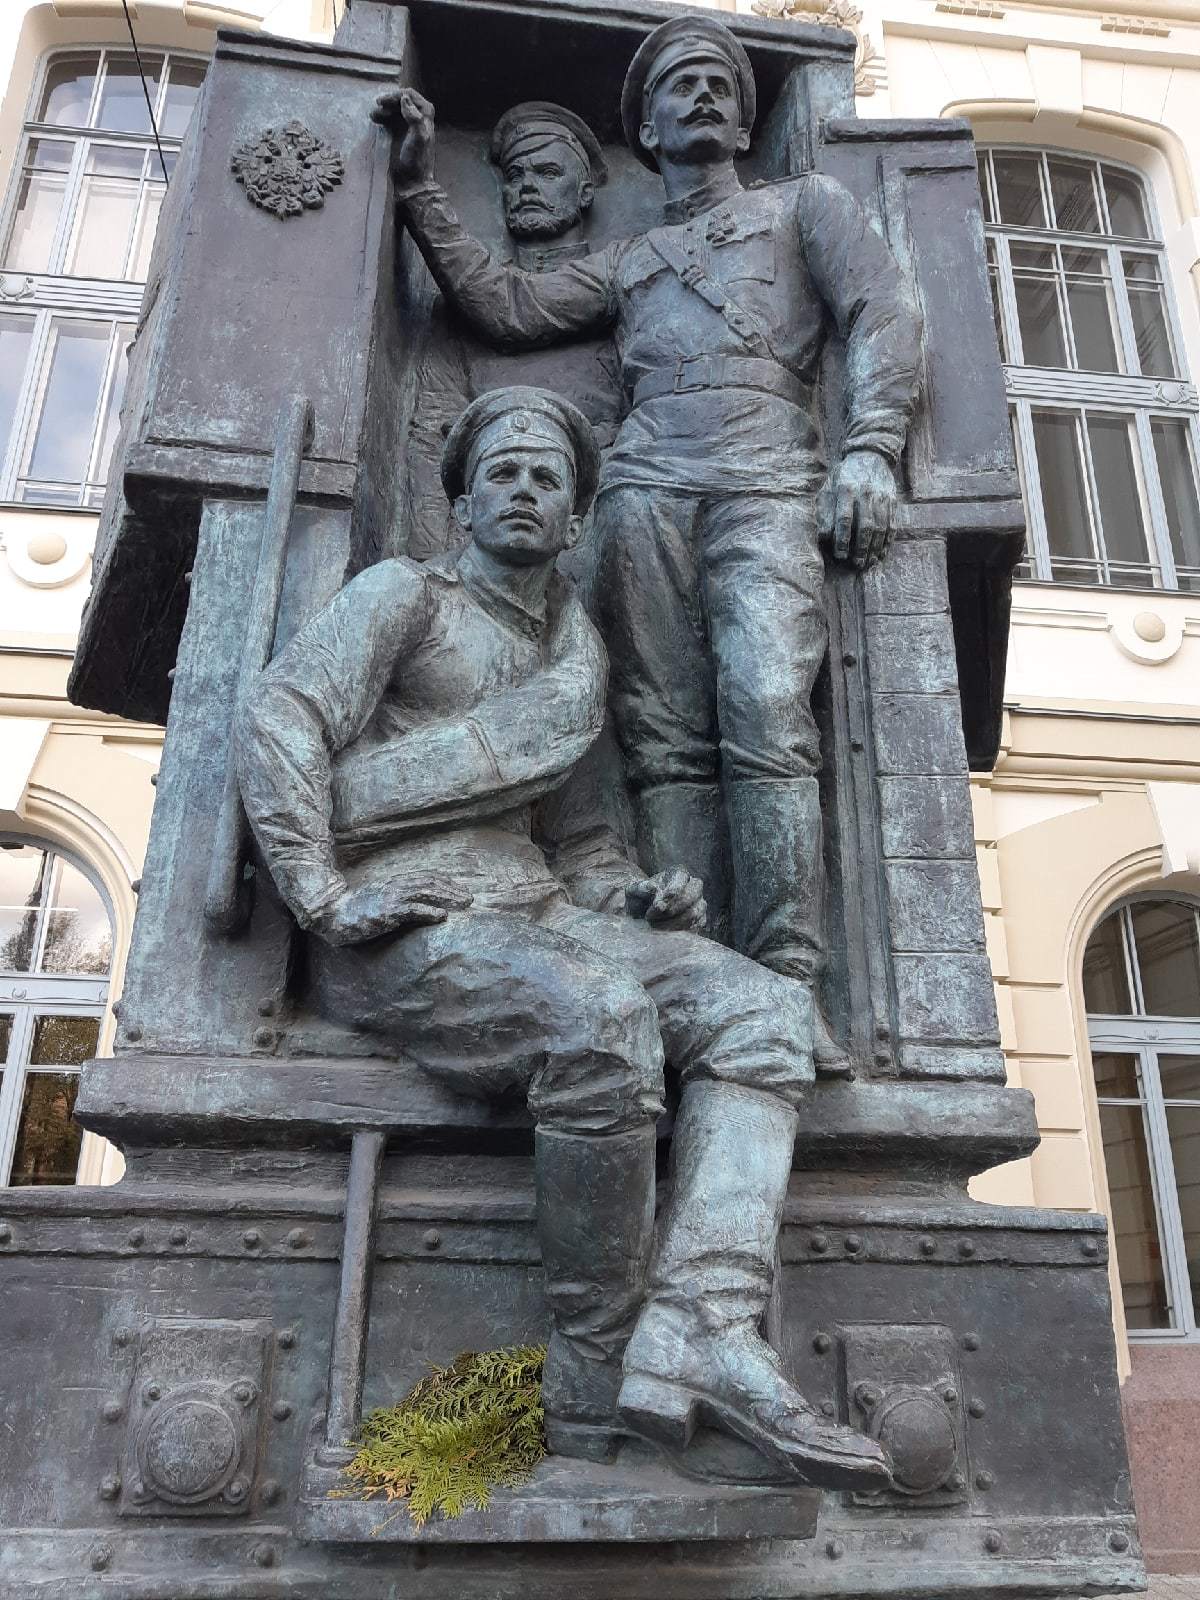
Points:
(595, 1213)
(683, 825)
(776, 838)
(696, 1355)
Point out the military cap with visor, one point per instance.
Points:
(535, 123)
(682, 40)
(521, 419)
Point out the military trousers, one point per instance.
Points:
(712, 610)
(576, 1011)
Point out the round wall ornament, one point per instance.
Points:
(287, 170)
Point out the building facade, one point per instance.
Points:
(1088, 830)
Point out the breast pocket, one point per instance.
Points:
(746, 256)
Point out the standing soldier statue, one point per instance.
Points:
(716, 497)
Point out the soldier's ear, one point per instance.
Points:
(574, 532)
(743, 141)
(462, 511)
(587, 193)
(648, 134)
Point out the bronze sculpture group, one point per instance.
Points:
(410, 762)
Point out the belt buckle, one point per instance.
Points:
(679, 386)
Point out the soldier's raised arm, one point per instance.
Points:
(509, 308)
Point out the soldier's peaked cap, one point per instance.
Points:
(523, 419)
(693, 37)
(542, 117)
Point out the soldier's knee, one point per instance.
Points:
(608, 1076)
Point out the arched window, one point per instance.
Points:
(1141, 984)
(75, 240)
(1104, 417)
(55, 955)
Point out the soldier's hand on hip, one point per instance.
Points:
(373, 910)
(672, 900)
(409, 116)
(862, 501)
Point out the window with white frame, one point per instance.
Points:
(75, 238)
(1141, 984)
(1104, 415)
(55, 955)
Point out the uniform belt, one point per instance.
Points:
(719, 372)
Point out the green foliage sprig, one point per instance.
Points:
(463, 1431)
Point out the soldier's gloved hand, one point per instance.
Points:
(860, 505)
(373, 910)
(410, 117)
(672, 900)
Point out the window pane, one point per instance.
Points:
(1116, 1077)
(1018, 190)
(16, 334)
(63, 1041)
(152, 199)
(1183, 1128)
(123, 106)
(47, 1149)
(994, 286)
(1126, 207)
(78, 353)
(183, 90)
(108, 204)
(22, 882)
(1105, 982)
(1177, 478)
(78, 936)
(6, 1027)
(1073, 191)
(1149, 317)
(68, 91)
(111, 421)
(1117, 490)
(1180, 1077)
(1132, 1215)
(39, 203)
(1168, 958)
(985, 193)
(1064, 496)
(1090, 303)
(1035, 279)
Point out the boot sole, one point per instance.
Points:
(669, 1414)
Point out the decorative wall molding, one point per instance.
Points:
(870, 68)
(971, 8)
(1153, 26)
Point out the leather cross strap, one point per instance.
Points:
(743, 324)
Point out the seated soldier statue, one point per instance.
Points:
(405, 764)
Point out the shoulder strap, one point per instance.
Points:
(743, 324)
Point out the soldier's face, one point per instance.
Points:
(520, 508)
(695, 115)
(546, 192)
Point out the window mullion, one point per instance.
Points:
(12, 1090)
(1162, 1169)
(1159, 530)
(64, 233)
(1008, 300)
(1116, 271)
(24, 424)
(1064, 309)
(111, 364)
(1095, 514)
(1038, 538)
